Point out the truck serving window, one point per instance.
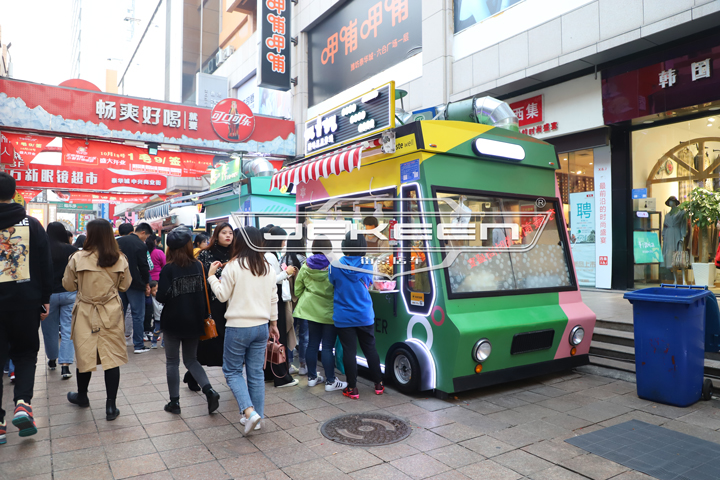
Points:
(518, 245)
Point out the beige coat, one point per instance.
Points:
(98, 325)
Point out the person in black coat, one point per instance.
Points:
(210, 352)
(133, 246)
(182, 290)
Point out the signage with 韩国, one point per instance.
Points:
(358, 118)
(232, 120)
(275, 45)
(359, 40)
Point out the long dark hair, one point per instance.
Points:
(101, 240)
(249, 258)
(275, 244)
(216, 234)
(79, 241)
(295, 247)
(183, 256)
(199, 239)
(57, 234)
(150, 243)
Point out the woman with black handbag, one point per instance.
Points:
(182, 289)
(248, 285)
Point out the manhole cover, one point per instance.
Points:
(365, 429)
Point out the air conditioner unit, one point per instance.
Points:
(219, 58)
(227, 51)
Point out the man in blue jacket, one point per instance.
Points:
(26, 276)
(353, 312)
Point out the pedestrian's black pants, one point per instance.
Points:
(365, 336)
(20, 340)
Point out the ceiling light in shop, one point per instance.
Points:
(711, 119)
(709, 124)
(714, 108)
(579, 172)
(590, 163)
(649, 121)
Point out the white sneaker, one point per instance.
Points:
(293, 370)
(315, 381)
(142, 350)
(252, 422)
(291, 384)
(243, 421)
(338, 385)
(303, 370)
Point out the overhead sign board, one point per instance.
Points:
(232, 120)
(275, 44)
(361, 117)
(359, 40)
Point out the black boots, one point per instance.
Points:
(111, 411)
(173, 406)
(77, 399)
(191, 383)
(65, 372)
(213, 398)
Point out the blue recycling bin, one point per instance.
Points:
(670, 342)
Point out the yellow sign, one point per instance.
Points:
(406, 143)
(19, 198)
(417, 298)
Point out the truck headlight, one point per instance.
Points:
(481, 350)
(576, 335)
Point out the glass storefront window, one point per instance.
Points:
(671, 161)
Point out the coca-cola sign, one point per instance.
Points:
(232, 120)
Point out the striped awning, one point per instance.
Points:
(345, 160)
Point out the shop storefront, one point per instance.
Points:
(669, 103)
(569, 116)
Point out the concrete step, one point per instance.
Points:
(618, 337)
(612, 363)
(614, 325)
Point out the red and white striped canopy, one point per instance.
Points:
(322, 167)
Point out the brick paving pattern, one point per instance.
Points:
(507, 432)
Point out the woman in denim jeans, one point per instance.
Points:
(248, 287)
(59, 319)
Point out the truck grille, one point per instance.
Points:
(532, 341)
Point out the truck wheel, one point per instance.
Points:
(404, 370)
(707, 389)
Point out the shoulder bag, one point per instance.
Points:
(210, 328)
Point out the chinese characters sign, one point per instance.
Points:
(79, 178)
(233, 120)
(529, 111)
(28, 146)
(82, 198)
(360, 40)
(603, 218)
(583, 235)
(689, 79)
(111, 155)
(275, 44)
(58, 110)
(358, 118)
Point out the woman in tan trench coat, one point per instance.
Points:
(98, 273)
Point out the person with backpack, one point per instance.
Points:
(26, 283)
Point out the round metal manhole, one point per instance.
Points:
(365, 429)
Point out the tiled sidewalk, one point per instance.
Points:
(508, 432)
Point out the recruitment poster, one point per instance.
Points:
(582, 236)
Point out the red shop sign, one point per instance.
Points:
(7, 151)
(28, 146)
(83, 197)
(529, 111)
(28, 195)
(232, 120)
(135, 159)
(76, 178)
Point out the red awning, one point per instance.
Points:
(333, 163)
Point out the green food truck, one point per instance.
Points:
(474, 280)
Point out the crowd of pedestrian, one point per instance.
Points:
(219, 300)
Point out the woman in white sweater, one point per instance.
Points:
(248, 286)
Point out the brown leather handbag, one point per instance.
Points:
(210, 327)
(274, 355)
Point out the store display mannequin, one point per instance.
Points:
(673, 233)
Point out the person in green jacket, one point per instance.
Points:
(315, 304)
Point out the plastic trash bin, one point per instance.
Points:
(669, 325)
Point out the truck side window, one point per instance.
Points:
(418, 284)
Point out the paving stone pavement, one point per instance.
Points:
(508, 432)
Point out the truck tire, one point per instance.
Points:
(404, 369)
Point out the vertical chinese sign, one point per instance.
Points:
(603, 219)
(275, 47)
(583, 235)
(360, 40)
